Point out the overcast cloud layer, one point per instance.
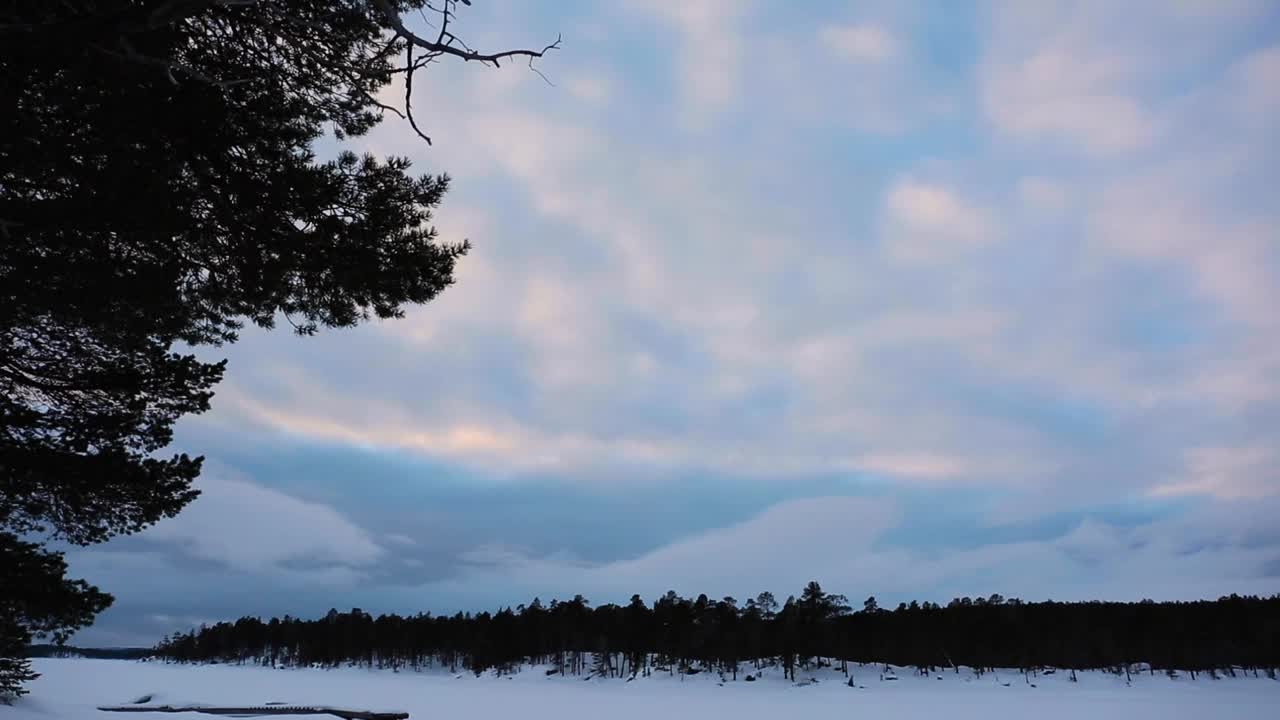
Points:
(918, 300)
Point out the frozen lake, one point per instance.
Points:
(70, 689)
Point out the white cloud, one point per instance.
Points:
(570, 338)
(592, 88)
(935, 209)
(1043, 195)
(928, 221)
(1227, 472)
(859, 43)
(1257, 95)
(1216, 11)
(782, 547)
(710, 59)
(1049, 96)
(927, 466)
(1050, 72)
(399, 539)
(1102, 76)
(1159, 218)
(256, 529)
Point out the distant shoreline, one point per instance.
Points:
(47, 650)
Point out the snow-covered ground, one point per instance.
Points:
(70, 689)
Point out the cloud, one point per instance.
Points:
(592, 88)
(840, 541)
(858, 43)
(782, 547)
(916, 466)
(251, 528)
(1259, 74)
(1043, 195)
(1050, 73)
(1216, 12)
(1102, 77)
(1157, 221)
(710, 51)
(399, 539)
(927, 221)
(1060, 94)
(1227, 472)
(869, 78)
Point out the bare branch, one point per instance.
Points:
(446, 43)
(443, 47)
(408, 93)
(538, 72)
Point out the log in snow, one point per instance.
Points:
(262, 710)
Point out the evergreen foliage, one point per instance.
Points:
(36, 599)
(159, 191)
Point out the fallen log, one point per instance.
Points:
(261, 710)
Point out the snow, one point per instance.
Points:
(70, 689)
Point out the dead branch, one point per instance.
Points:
(446, 43)
(443, 44)
(408, 92)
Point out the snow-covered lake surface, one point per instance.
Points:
(71, 689)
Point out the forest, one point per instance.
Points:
(675, 634)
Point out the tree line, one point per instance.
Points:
(693, 635)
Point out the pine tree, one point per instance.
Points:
(159, 189)
(33, 606)
(767, 604)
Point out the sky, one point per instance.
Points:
(916, 299)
